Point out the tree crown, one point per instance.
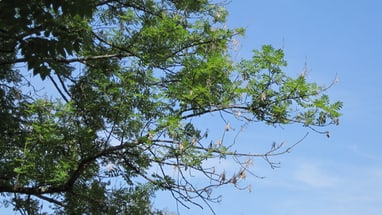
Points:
(129, 78)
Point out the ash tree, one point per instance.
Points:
(99, 102)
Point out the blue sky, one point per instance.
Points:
(337, 176)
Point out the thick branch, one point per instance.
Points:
(64, 187)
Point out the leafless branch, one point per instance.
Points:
(58, 88)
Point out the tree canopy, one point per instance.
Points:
(129, 78)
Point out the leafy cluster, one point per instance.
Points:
(128, 77)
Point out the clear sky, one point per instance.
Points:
(341, 175)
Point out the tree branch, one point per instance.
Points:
(64, 60)
(51, 200)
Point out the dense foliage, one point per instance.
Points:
(128, 77)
